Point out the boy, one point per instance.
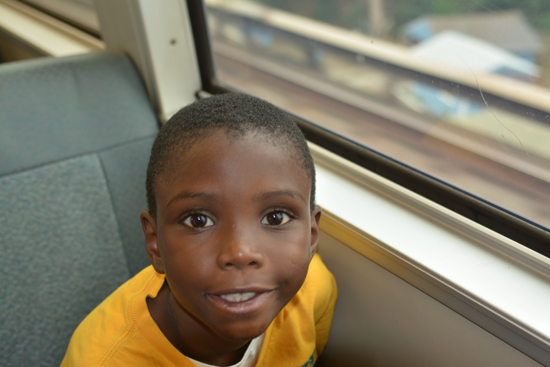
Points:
(231, 232)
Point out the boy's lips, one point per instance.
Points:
(241, 301)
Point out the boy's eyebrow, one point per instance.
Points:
(261, 196)
(189, 195)
(273, 194)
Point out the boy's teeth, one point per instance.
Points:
(238, 297)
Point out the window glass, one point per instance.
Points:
(459, 89)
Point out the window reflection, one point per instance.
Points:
(457, 89)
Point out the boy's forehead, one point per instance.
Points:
(189, 157)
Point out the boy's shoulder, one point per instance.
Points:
(300, 332)
(316, 297)
(113, 324)
(319, 284)
(318, 272)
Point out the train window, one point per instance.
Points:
(454, 93)
(450, 101)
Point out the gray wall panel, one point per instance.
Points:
(381, 320)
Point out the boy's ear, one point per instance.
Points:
(315, 219)
(149, 225)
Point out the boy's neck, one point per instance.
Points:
(190, 336)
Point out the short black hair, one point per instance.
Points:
(235, 114)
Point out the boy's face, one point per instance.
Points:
(234, 234)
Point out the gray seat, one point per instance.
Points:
(75, 138)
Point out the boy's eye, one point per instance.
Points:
(276, 218)
(198, 221)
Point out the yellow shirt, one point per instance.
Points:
(121, 332)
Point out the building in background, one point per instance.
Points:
(508, 30)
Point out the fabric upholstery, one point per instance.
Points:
(58, 108)
(75, 138)
(62, 255)
(125, 167)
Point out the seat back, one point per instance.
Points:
(75, 138)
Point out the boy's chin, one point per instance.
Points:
(243, 331)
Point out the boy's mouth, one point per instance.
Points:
(238, 297)
(241, 303)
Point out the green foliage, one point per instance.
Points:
(353, 14)
(537, 12)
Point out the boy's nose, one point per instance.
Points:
(239, 251)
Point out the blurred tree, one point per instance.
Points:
(536, 11)
(351, 14)
(354, 14)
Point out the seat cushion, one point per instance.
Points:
(58, 108)
(62, 255)
(76, 135)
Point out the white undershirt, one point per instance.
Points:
(249, 358)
